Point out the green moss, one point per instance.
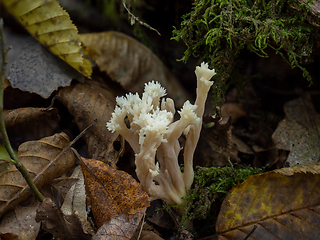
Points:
(217, 31)
(210, 187)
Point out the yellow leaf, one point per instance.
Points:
(52, 27)
(280, 204)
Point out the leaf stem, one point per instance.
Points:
(3, 130)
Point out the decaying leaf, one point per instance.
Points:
(299, 132)
(111, 192)
(215, 146)
(38, 158)
(75, 201)
(36, 70)
(131, 64)
(33, 119)
(120, 227)
(280, 204)
(51, 26)
(60, 226)
(87, 102)
(20, 223)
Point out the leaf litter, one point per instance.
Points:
(269, 187)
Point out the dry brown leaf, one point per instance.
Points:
(20, 223)
(75, 201)
(60, 226)
(111, 192)
(215, 145)
(40, 122)
(233, 110)
(120, 227)
(90, 101)
(149, 235)
(131, 64)
(299, 132)
(280, 204)
(38, 158)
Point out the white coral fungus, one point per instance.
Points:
(154, 136)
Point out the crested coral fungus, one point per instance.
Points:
(153, 136)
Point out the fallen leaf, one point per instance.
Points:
(58, 188)
(38, 157)
(233, 110)
(60, 226)
(51, 26)
(149, 235)
(75, 201)
(20, 222)
(280, 204)
(120, 227)
(33, 119)
(34, 69)
(111, 192)
(299, 132)
(215, 146)
(131, 64)
(87, 102)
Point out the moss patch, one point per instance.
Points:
(217, 31)
(210, 187)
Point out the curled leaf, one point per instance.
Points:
(33, 119)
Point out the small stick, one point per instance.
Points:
(134, 18)
(3, 130)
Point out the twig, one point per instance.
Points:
(133, 18)
(3, 130)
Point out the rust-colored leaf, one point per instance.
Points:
(33, 119)
(111, 192)
(38, 158)
(281, 204)
(131, 64)
(119, 228)
(87, 102)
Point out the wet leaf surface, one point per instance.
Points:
(111, 192)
